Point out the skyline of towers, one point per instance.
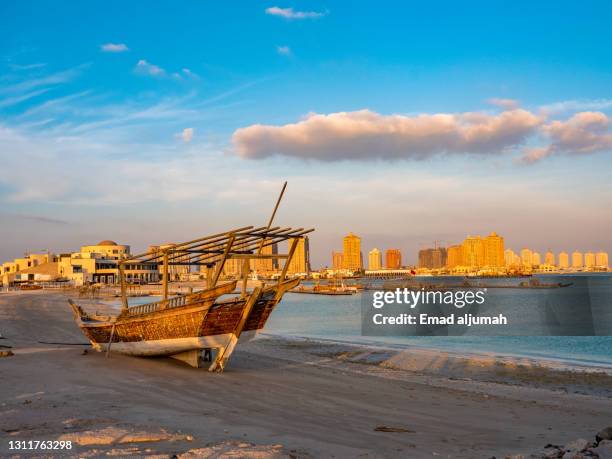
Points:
(474, 252)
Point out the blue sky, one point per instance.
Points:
(403, 122)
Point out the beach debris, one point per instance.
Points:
(393, 429)
(6, 353)
(5, 346)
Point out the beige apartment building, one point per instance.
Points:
(374, 259)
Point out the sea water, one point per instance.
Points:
(338, 318)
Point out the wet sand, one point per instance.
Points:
(277, 398)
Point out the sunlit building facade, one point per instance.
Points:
(563, 260)
(453, 256)
(577, 260)
(473, 251)
(526, 257)
(374, 259)
(300, 263)
(393, 259)
(494, 250)
(351, 252)
(601, 260)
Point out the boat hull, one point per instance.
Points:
(195, 326)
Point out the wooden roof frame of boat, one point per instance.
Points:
(213, 251)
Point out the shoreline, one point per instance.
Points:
(551, 362)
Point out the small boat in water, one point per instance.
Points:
(183, 326)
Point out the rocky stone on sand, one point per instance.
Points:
(548, 452)
(603, 449)
(6, 353)
(118, 435)
(604, 434)
(579, 449)
(234, 449)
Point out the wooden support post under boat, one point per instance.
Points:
(124, 301)
(224, 353)
(209, 273)
(165, 277)
(110, 341)
(245, 277)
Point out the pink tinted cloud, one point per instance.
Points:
(367, 135)
(583, 133)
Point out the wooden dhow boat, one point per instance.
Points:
(214, 318)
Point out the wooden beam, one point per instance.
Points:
(221, 263)
(124, 300)
(165, 277)
(225, 352)
(294, 244)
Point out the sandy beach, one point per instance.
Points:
(280, 398)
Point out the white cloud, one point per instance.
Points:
(583, 133)
(366, 135)
(187, 134)
(27, 66)
(114, 48)
(189, 73)
(567, 106)
(283, 50)
(147, 68)
(506, 104)
(8, 101)
(289, 13)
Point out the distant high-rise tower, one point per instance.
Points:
(453, 256)
(550, 258)
(265, 265)
(473, 251)
(494, 250)
(577, 261)
(300, 263)
(526, 257)
(589, 260)
(374, 259)
(536, 259)
(351, 253)
(337, 260)
(511, 258)
(563, 260)
(601, 260)
(393, 259)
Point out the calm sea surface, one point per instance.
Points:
(338, 318)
